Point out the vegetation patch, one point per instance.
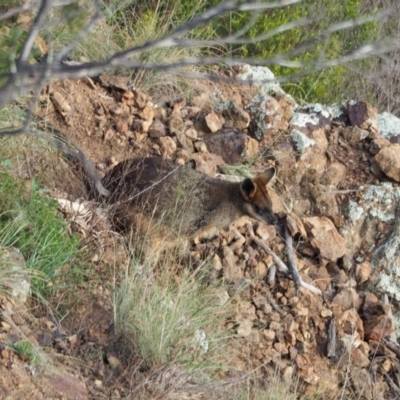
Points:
(30, 222)
(169, 319)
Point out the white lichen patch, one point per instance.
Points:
(388, 125)
(314, 109)
(354, 211)
(301, 140)
(336, 110)
(301, 119)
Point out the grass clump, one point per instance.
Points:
(167, 319)
(27, 351)
(30, 222)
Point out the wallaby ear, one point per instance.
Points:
(248, 188)
(268, 176)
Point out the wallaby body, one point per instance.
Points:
(153, 192)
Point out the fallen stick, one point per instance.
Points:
(283, 268)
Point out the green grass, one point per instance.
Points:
(166, 319)
(30, 222)
(27, 351)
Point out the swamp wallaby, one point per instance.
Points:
(152, 192)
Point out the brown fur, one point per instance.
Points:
(153, 194)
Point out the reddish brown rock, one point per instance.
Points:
(71, 387)
(114, 81)
(213, 122)
(388, 160)
(378, 327)
(167, 145)
(239, 118)
(61, 103)
(157, 129)
(231, 145)
(207, 162)
(378, 144)
(326, 238)
(346, 299)
(363, 115)
(363, 271)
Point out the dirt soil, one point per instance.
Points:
(326, 346)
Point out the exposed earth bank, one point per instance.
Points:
(338, 183)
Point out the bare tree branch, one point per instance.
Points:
(25, 77)
(18, 10)
(81, 35)
(34, 32)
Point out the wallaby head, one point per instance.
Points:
(257, 202)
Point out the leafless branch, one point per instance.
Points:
(34, 32)
(25, 76)
(18, 10)
(81, 35)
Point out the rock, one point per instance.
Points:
(359, 359)
(231, 271)
(69, 386)
(191, 133)
(346, 299)
(60, 103)
(184, 141)
(141, 99)
(267, 116)
(128, 98)
(354, 134)
(121, 126)
(217, 262)
(388, 160)
(301, 140)
(160, 113)
(310, 118)
(372, 307)
(378, 327)
(281, 348)
(378, 144)
(266, 232)
(389, 125)
(326, 238)
(156, 129)
(213, 122)
(325, 202)
(207, 163)
(334, 174)
(230, 144)
(259, 301)
(114, 82)
(363, 272)
(322, 278)
(244, 329)
(269, 334)
(237, 115)
(18, 277)
(362, 382)
(175, 124)
(200, 146)
(113, 360)
(364, 116)
(295, 225)
(167, 145)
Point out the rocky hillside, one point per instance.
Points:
(338, 184)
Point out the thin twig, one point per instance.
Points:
(283, 268)
(291, 262)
